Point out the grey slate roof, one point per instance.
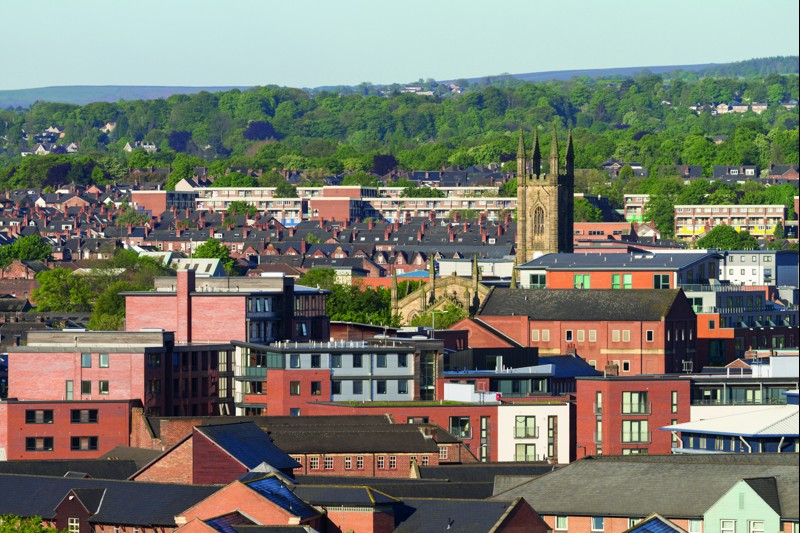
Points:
(409, 488)
(95, 468)
(454, 516)
(640, 261)
(339, 439)
(675, 486)
(767, 488)
(590, 304)
(330, 495)
(483, 472)
(125, 502)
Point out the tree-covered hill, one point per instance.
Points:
(645, 118)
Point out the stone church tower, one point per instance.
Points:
(544, 201)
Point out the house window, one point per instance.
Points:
(634, 403)
(86, 387)
(712, 324)
(442, 452)
(626, 366)
(649, 336)
(329, 463)
(103, 360)
(615, 335)
(425, 460)
(83, 416)
(633, 521)
(581, 335)
(626, 335)
(635, 431)
(582, 281)
(674, 401)
(313, 463)
(86, 360)
(38, 416)
(695, 526)
(294, 388)
(545, 335)
(294, 360)
(460, 428)
(360, 462)
(336, 360)
(598, 523)
(402, 386)
(727, 526)
(336, 387)
(592, 335)
(568, 335)
(357, 360)
(381, 462)
(393, 462)
(380, 386)
(661, 281)
(73, 525)
(103, 386)
(402, 360)
(358, 387)
(380, 360)
(535, 335)
(627, 281)
(525, 427)
(525, 453)
(538, 281)
(348, 463)
(83, 443)
(561, 523)
(615, 281)
(316, 361)
(316, 388)
(38, 444)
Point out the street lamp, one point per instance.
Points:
(433, 324)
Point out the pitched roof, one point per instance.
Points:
(570, 304)
(767, 488)
(675, 486)
(655, 523)
(411, 488)
(248, 444)
(275, 490)
(125, 502)
(454, 516)
(95, 468)
(354, 495)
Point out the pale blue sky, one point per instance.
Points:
(310, 43)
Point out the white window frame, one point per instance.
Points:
(727, 526)
(602, 525)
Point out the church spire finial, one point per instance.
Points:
(522, 161)
(536, 156)
(521, 146)
(570, 153)
(554, 153)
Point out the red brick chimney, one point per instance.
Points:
(371, 224)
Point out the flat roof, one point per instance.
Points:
(630, 261)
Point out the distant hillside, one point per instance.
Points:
(85, 94)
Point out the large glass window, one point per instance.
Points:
(661, 281)
(598, 523)
(460, 428)
(103, 360)
(86, 360)
(582, 281)
(634, 403)
(525, 427)
(635, 431)
(538, 281)
(83, 416)
(38, 416)
(525, 453)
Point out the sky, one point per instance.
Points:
(313, 43)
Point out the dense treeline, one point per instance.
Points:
(645, 119)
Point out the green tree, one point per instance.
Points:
(28, 248)
(584, 211)
(324, 278)
(626, 173)
(444, 319)
(724, 237)
(213, 249)
(61, 291)
(128, 216)
(240, 207)
(285, 190)
(108, 312)
(16, 524)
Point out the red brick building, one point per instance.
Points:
(264, 309)
(641, 331)
(623, 416)
(62, 429)
(145, 366)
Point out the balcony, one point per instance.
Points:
(526, 433)
(637, 408)
(637, 437)
(523, 458)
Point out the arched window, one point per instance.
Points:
(538, 221)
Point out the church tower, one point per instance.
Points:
(544, 200)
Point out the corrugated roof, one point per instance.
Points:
(776, 421)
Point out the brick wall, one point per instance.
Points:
(175, 466)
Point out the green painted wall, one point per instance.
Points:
(742, 504)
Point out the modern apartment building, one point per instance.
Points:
(694, 221)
